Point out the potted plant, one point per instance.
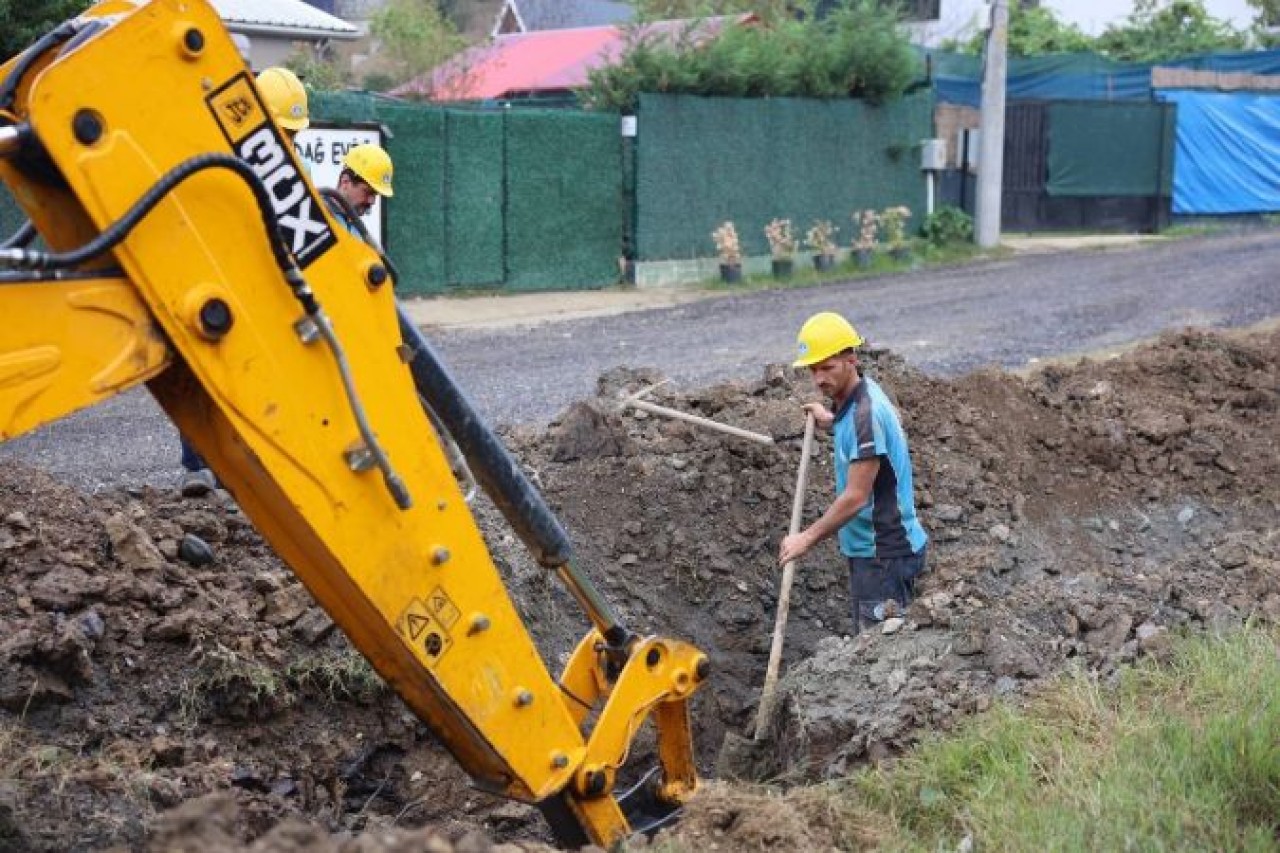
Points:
(730, 252)
(867, 223)
(895, 231)
(782, 246)
(821, 240)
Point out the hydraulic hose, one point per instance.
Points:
(118, 230)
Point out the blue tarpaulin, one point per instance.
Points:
(1227, 156)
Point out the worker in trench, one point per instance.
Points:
(874, 514)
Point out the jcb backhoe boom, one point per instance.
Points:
(185, 248)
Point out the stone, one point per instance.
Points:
(131, 545)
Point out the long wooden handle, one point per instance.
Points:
(654, 408)
(765, 709)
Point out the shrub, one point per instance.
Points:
(947, 226)
(856, 51)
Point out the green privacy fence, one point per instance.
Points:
(701, 161)
(519, 199)
(1110, 149)
(537, 199)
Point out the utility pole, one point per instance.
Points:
(991, 129)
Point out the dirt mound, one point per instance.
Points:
(1076, 515)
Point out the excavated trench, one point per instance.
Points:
(1077, 516)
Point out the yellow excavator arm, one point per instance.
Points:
(183, 247)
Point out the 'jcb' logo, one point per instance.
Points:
(304, 227)
(238, 109)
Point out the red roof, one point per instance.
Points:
(538, 61)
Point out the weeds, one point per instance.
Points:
(1183, 755)
(343, 674)
(229, 685)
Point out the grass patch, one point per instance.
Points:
(1177, 232)
(1184, 756)
(344, 674)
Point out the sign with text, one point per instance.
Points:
(322, 149)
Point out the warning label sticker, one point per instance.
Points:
(443, 608)
(425, 630)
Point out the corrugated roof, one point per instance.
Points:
(539, 61)
(282, 17)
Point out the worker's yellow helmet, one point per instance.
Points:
(822, 336)
(286, 98)
(373, 165)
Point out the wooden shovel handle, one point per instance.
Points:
(765, 709)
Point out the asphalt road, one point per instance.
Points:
(945, 321)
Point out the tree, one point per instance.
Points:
(24, 21)
(414, 36)
(1268, 13)
(1155, 31)
(1266, 23)
(1034, 31)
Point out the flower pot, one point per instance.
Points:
(862, 257)
(731, 273)
(782, 267)
(824, 262)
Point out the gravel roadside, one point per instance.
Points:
(946, 321)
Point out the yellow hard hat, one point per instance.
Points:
(822, 336)
(372, 165)
(285, 97)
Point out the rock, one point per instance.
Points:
(1001, 533)
(1006, 654)
(286, 605)
(1231, 556)
(167, 751)
(1111, 634)
(948, 513)
(585, 431)
(1153, 640)
(1185, 515)
(91, 625)
(66, 588)
(18, 519)
(313, 626)
(175, 627)
(206, 524)
(131, 545)
(1220, 617)
(893, 625)
(194, 551)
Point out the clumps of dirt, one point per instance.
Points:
(1077, 517)
(132, 681)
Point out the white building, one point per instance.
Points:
(276, 29)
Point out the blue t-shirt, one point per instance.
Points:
(867, 425)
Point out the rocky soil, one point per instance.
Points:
(154, 699)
